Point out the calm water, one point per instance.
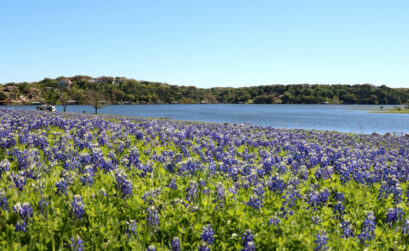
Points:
(341, 118)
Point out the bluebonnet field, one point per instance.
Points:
(83, 182)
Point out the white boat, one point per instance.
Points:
(46, 107)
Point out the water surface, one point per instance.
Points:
(342, 118)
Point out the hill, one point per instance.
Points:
(120, 90)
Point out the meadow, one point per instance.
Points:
(84, 182)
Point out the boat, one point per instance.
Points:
(46, 107)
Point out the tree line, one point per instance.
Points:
(119, 90)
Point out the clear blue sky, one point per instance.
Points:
(208, 43)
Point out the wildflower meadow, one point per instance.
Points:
(83, 182)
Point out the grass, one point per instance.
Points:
(402, 111)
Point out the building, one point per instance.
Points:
(11, 88)
(64, 83)
(6, 102)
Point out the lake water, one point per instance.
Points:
(342, 118)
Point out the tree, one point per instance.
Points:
(64, 96)
(95, 99)
(3, 96)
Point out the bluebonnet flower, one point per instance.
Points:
(148, 196)
(130, 230)
(303, 173)
(77, 207)
(172, 184)
(393, 215)
(20, 226)
(220, 191)
(347, 229)
(316, 220)
(4, 166)
(208, 234)
(249, 247)
(318, 199)
(3, 200)
(24, 210)
(203, 247)
(291, 195)
(19, 180)
(43, 205)
(274, 220)
(87, 179)
(397, 193)
(62, 186)
(175, 244)
(77, 244)
(123, 183)
(368, 229)
(255, 201)
(405, 228)
(314, 199)
(248, 243)
(276, 184)
(339, 208)
(153, 217)
(192, 191)
(320, 241)
(259, 190)
(202, 183)
(339, 197)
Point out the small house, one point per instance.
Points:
(6, 102)
(11, 88)
(64, 83)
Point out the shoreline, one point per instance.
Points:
(118, 117)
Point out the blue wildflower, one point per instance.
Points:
(175, 244)
(368, 229)
(255, 201)
(248, 243)
(153, 217)
(394, 215)
(4, 166)
(77, 207)
(20, 226)
(203, 247)
(77, 244)
(347, 229)
(208, 234)
(124, 185)
(3, 200)
(274, 220)
(172, 184)
(24, 210)
(61, 186)
(405, 228)
(320, 241)
(130, 230)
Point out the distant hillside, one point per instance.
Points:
(119, 90)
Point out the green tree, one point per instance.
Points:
(95, 99)
(3, 96)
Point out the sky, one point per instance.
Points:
(208, 43)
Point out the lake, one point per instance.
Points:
(342, 118)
